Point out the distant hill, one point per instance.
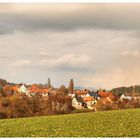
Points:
(80, 87)
(126, 90)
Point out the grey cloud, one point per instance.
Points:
(67, 62)
(113, 56)
(100, 16)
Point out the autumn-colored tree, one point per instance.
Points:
(4, 104)
(7, 90)
(69, 103)
(20, 106)
(63, 90)
(3, 82)
(37, 103)
(1, 91)
(15, 106)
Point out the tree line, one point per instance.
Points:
(126, 90)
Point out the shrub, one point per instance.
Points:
(3, 115)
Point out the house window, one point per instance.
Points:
(83, 104)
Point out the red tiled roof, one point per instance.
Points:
(88, 99)
(108, 98)
(104, 94)
(81, 92)
(15, 88)
(35, 89)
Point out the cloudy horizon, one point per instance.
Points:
(95, 44)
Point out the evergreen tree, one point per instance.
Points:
(49, 83)
(71, 85)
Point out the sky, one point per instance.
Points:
(98, 45)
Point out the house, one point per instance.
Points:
(35, 89)
(90, 102)
(136, 97)
(107, 98)
(95, 95)
(87, 95)
(82, 93)
(44, 92)
(103, 94)
(72, 95)
(78, 102)
(22, 89)
(15, 89)
(125, 97)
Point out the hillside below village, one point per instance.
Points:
(91, 124)
(22, 100)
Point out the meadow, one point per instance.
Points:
(118, 123)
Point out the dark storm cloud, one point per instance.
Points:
(101, 16)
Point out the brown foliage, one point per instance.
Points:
(20, 105)
(101, 105)
(62, 90)
(15, 106)
(118, 104)
(7, 90)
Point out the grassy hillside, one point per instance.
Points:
(124, 123)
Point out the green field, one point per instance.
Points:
(124, 123)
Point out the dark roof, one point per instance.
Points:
(79, 99)
(94, 94)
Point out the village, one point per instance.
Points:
(95, 100)
(81, 98)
